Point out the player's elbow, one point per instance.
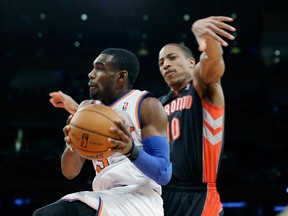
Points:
(68, 174)
(165, 174)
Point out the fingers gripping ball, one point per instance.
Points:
(89, 130)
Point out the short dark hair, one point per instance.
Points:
(125, 60)
(186, 50)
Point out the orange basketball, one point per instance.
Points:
(90, 130)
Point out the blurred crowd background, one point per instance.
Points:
(50, 45)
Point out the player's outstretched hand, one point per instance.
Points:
(61, 100)
(215, 27)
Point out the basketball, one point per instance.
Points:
(89, 130)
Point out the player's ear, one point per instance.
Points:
(192, 62)
(123, 75)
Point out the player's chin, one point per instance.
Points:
(93, 93)
(171, 81)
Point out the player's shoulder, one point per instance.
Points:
(144, 93)
(152, 112)
(87, 102)
(151, 103)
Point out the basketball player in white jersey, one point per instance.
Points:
(128, 182)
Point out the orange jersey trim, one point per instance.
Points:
(213, 204)
(213, 125)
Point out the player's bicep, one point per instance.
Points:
(154, 118)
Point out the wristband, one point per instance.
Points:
(70, 147)
(133, 152)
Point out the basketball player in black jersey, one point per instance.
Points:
(195, 108)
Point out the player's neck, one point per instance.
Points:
(177, 88)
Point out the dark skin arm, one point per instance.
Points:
(154, 123)
(209, 70)
(153, 159)
(60, 100)
(71, 161)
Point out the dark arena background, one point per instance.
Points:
(50, 45)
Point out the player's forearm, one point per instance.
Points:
(71, 163)
(72, 107)
(212, 63)
(155, 160)
(213, 51)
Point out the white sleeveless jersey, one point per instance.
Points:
(119, 187)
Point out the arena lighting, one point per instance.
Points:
(77, 44)
(275, 108)
(84, 17)
(145, 17)
(143, 52)
(21, 201)
(42, 16)
(279, 208)
(18, 141)
(234, 204)
(186, 17)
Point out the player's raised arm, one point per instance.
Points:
(209, 33)
(60, 100)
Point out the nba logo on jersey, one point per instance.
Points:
(125, 106)
(187, 86)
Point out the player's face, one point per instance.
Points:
(102, 79)
(174, 66)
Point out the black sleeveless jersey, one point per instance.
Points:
(195, 132)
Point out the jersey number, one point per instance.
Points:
(101, 164)
(173, 129)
